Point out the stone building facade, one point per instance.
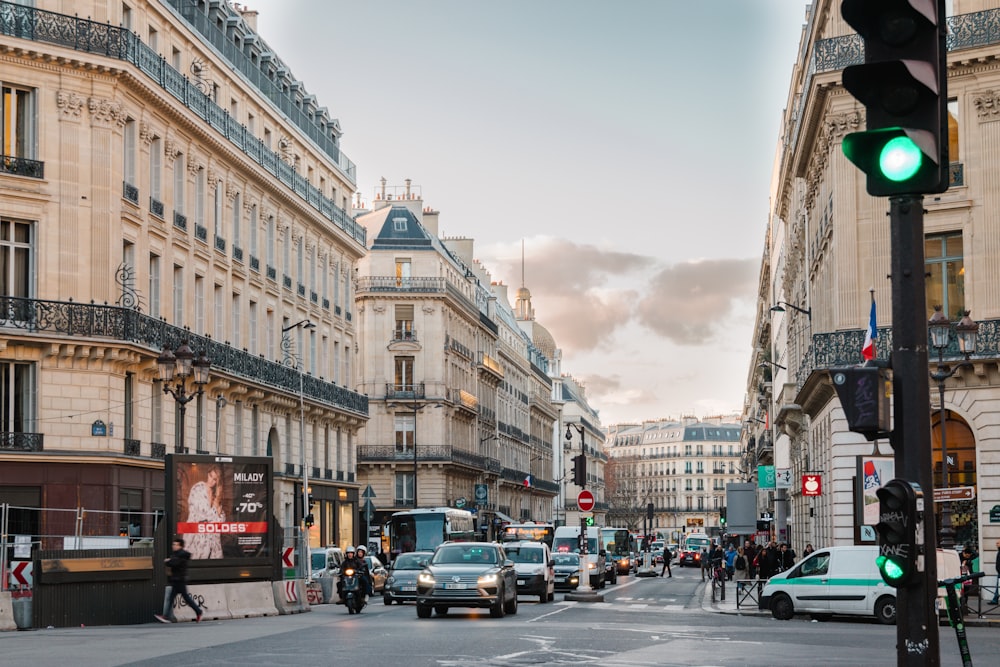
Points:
(165, 179)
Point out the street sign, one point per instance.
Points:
(482, 493)
(20, 574)
(287, 557)
(995, 514)
(460, 503)
(783, 478)
(369, 492)
(585, 501)
(369, 510)
(954, 493)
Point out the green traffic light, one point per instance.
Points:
(890, 569)
(900, 159)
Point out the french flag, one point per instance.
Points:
(527, 480)
(868, 349)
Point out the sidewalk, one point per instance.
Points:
(747, 606)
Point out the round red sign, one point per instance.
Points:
(585, 501)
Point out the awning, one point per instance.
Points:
(504, 518)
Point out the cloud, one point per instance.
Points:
(689, 303)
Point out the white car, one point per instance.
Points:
(536, 573)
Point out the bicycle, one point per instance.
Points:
(954, 608)
(718, 580)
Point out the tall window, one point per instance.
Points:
(953, 154)
(235, 327)
(200, 186)
(16, 258)
(270, 241)
(179, 171)
(217, 218)
(128, 148)
(254, 232)
(220, 313)
(178, 295)
(300, 261)
(237, 222)
(253, 324)
(155, 169)
(154, 285)
(18, 123)
(404, 321)
(404, 374)
(287, 251)
(946, 274)
(17, 395)
(199, 304)
(403, 269)
(404, 488)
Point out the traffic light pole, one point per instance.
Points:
(917, 639)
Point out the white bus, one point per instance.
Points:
(424, 529)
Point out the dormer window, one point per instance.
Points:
(399, 224)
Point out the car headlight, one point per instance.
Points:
(591, 566)
(390, 580)
(425, 578)
(488, 579)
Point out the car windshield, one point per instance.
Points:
(525, 554)
(567, 559)
(410, 561)
(470, 555)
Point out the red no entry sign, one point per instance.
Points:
(585, 501)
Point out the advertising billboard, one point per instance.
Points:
(221, 506)
(873, 472)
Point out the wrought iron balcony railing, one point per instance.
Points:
(23, 442)
(124, 325)
(20, 166)
(105, 40)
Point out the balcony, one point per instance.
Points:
(180, 221)
(19, 166)
(129, 327)
(156, 207)
(130, 192)
(133, 447)
(201, 233)
(220, 243)
(21, 442)
(405, 392)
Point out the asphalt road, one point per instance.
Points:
(642, 622)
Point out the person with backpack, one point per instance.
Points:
(740, 565)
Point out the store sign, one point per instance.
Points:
(766, 477)
(812, 485)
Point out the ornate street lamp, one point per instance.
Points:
(940, 330)
(180, 364)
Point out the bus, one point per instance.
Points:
(620, 547)
(424, 529)
(531, 532)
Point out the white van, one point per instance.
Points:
(567, 540)
(840, 580)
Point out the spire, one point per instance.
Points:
(522, 306)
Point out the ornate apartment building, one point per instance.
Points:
(165, 179)
(463, 412)
(827, 256)
(681, 467)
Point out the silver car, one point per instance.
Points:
(467, 574)
(401, 585)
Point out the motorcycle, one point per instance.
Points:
(353, 592)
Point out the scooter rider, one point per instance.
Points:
(351, 561)
(366, 575)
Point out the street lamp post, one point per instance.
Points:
(181, 364)
(290, 359)
(940, 330)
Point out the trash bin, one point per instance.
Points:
(21, 603)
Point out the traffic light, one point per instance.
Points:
(589, 520)
(310, 520)
(580, 470)
(903, 84)
(900, 531)
(864, 394)
(722, 517)
(649, 512)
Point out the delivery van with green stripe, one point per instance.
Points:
(841, 581)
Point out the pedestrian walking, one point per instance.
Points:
(741, 564)
(730, 562)
(666, 563)
(750, 552)
(177, 567)
(786, 557)
(704, 563)
(808, 550)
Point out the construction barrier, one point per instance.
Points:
(6, 612)
(290, 596)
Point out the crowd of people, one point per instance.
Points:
(751, 561)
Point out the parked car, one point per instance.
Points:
(401, 584)
(567, 569)
(467, 574)
(536, 574)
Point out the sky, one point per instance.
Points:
(626, 145)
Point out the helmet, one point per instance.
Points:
(362, 548)
(349, 550)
